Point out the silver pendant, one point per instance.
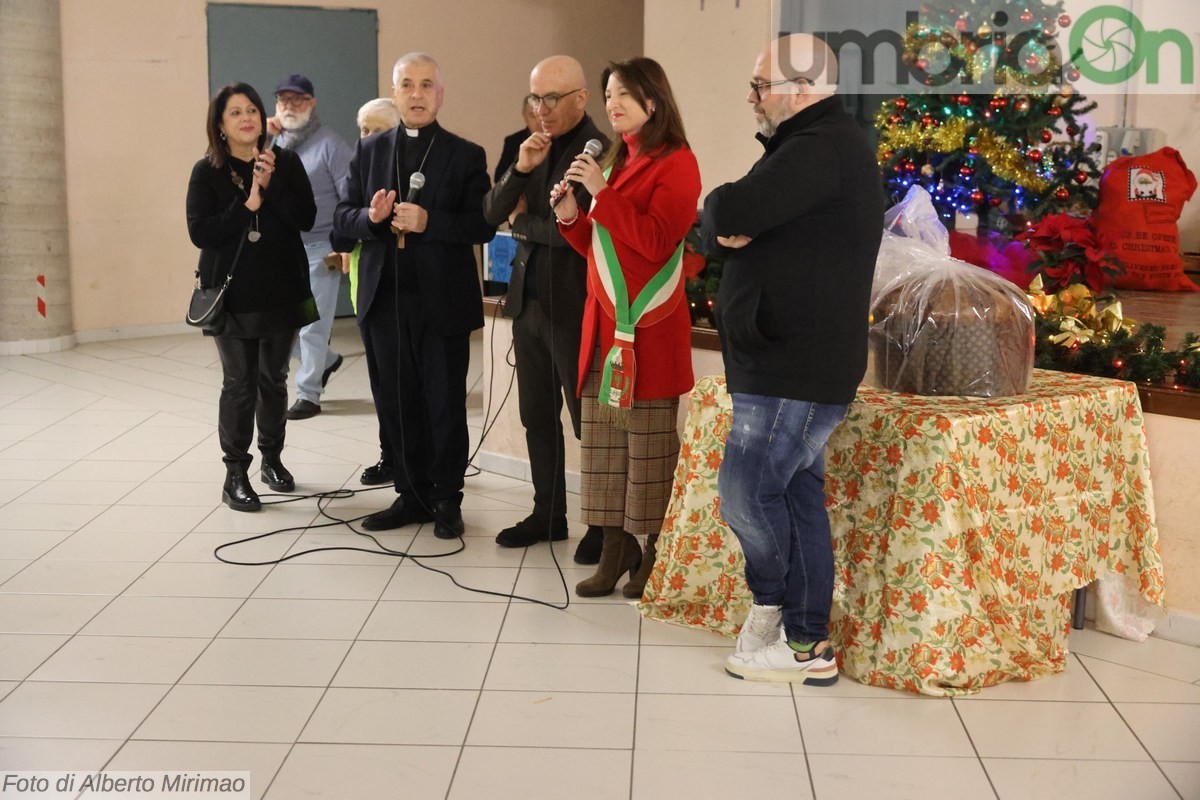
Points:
(254, 236)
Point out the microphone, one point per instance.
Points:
(592, 148)
(415, 183)
(267, 144)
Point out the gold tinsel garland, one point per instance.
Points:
(1005, 161)
(977, 62)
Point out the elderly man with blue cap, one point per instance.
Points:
(327, 160)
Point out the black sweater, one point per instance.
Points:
(269, 292)
(793, 304)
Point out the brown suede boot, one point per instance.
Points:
(619, 554)
(637, 582)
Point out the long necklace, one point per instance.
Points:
(254, 235)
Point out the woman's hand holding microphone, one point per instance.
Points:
(583, 171)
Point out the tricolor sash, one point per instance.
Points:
(653, 304)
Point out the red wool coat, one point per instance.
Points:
(648, 207)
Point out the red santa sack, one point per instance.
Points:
(1141, 198)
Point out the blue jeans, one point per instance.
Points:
(772, 486)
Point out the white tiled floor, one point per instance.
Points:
(125, 645)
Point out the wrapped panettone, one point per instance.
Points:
(941, 326)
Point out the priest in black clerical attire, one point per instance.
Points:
(418, 292)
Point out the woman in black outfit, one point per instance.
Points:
(241, 194)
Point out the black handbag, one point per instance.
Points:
(208, 302)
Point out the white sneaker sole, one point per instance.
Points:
(822, 674)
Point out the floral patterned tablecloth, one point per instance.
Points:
(961, 528)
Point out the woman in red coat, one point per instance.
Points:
(635, 359)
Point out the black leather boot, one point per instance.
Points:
(588, 550)
(276, 475)
(237, 493)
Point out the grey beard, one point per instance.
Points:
(293, 139)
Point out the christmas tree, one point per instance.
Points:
(997, 131)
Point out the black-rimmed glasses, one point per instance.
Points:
(549, 100)
(758, 87)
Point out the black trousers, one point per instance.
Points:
(547, 375)
(420, 396)
(254, 388)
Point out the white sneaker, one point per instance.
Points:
(779, 662)
(762, 628)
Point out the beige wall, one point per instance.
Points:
(135, 76)
(708, 55)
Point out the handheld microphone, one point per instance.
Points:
(415, 183)
(267, 143)
(592, 148)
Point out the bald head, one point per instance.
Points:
(791, 74)
(561, 77)
(803, 56)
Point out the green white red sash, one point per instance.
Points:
(653, 304)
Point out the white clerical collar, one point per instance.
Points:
(412, 132)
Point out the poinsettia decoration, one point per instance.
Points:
(1070, 251)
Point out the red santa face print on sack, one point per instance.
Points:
(1141, 198)
(1145, 184)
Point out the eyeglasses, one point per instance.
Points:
(758, 87)
(549, 100)
(293, 100)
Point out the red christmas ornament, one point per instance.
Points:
(889, 155)
(966, 172)
(1034, 155)
(1027, 16)
(998, 102)
(976, 197)
(926, 120)
(994, 202)
(1065, 20)
(964, 100)
(961, 24)
(1073, 75)
(901, 103)
(1054, 111)
(895, 119)
(1081, 177)
(1062, 193)
(910, 167)
(1072, 130)
(1046, 136)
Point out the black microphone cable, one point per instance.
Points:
(324, 498)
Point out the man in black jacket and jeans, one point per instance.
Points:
(801, 232)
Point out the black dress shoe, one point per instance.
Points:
(332, 369)
(380, 473)
(303, 409)
(401, 513)
(237, 493)
(588, 551)
(532, 530)
(447, 520)
(276, 475)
